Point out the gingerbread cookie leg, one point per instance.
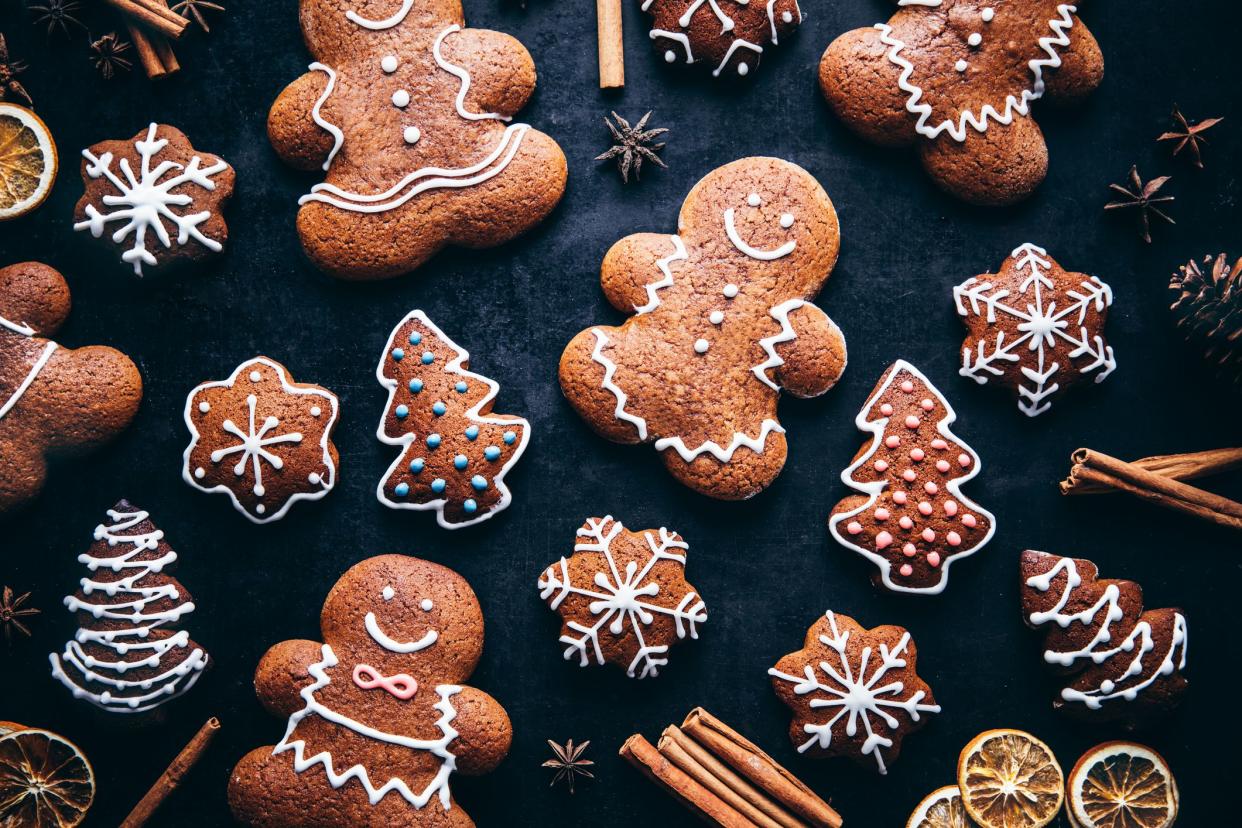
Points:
(738, 470)
(1001, 166)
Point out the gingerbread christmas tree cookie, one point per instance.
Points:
(728, 36)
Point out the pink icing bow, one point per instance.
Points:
(401, 685)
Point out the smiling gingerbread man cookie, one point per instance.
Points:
(378, 716)
(722, 324)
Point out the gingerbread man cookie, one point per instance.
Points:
(53, 400)
(411, 116)
(158, 199)
(957, 78)
(379, 717)
(261, 438)
(722, 324)
(728, 35)
(1034, 328)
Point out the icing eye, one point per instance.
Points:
(388, 593)
(426, 604)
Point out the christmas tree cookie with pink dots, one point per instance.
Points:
(454, 451)
(909, 516)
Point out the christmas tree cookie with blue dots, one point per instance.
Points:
(454, 451)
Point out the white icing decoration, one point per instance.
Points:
(722, 453)
(653, 298)
(975, 39)
(1095, 650)
(987, 15)
(874, 488)
(768, 343)
(140, 622)
(464, 77)
(610, 368)
(38, 366)
(254, 443)
(426, 604)
(387, 23)
(730, 291)
(145, 201)
(787, 220)
(701, 346)
(742, 68)
(400, 98)
(204, 406)
(670, 55)
(754, 252)
(338, 137)
(754, 200)
(856, 694)
(1041, 325)
(327, 478)
(16, 327)
(618, 598)
(787, 17)
(437, 787)
(388, 593)
(389, 63)
(1020, 105)
(716, 317)
(315, 411)
(726, 22)
(411, 135)
(255, 376)
(961, 65)
(453, 366)
(404, 647)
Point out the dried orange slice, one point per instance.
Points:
(942, 808)
(27, 161)
(1010, 779)
(45, 781)
(1122, 785)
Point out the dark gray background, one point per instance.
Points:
(766, 567)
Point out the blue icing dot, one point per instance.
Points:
(401, 490)
(491, 452)
(470, 506)
(509, 438)
(416, 338)
(398, 354)
(472, 432)
(438, 485)
(460, 462)
(433, 440)
(461, 387)
(479, 482)
(402, 412)
(428, 357)
(416, 385)
(438, 409)
(417, 465)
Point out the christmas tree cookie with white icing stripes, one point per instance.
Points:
(722, 323)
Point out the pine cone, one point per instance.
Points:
(1209, 312)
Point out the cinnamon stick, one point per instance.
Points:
(641, 754)
(1173, 466)
(153, 15)
(748, 760)
(171, 778)
(153, 50)
(611, 44)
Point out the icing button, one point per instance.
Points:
(401, 99)
(411, 135)
(701, 346)
(389, 63)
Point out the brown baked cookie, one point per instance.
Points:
(53, 400)
(722, 324)
(157, 199)
(261, 438)
(1127, 664)
(411, 117)
(957, 78)
(1034, 328)
(129, 655)
(378, 716)
(854, 691)
(727, 35)
(910, 519)
(623, 596)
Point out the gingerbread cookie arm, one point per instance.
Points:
(301, 133)
(637, 268)
(1081, 69)
(814, 358)
(586, 374)
(484, 732)
(283, 673)
(861, 85)
(497, 73)
(59, 387)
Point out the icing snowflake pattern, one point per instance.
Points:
(625, 600)
(146, 200)
(1051, 331)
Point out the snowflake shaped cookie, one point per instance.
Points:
(623, 596)
(263, 439)
(156, 195)
(1035, 328)
(854, 692)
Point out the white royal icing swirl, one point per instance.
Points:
(387, 23)
(338, 137)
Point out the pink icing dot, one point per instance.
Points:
(925, 508)
(882, 540)
(905, 522)
(927, 405)
(912, 421)
(881, 465)
(963, 460)
(933, 558)
(969, 520)
(939, 444)
(942, 466)
(954, 539)
(909, 550)
(917, 454)
(886, 410)
(908, 475)
(929, 535)
(853, 527)
(950, 507)
(907, 386)
(930, 487)
(892, 442)
(881, 513)
(899, 498)
(906, 570)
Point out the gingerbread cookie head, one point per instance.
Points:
(957, 79)
(623, 597)
(722, 323)
(1034, 328)
(378, 716)
(53, 400)
(261, 438)
(727, 35)
(155, 199)
(855, 692)
(411, 117)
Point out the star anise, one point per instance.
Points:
(569, 762)
(1189, 135)
(1143, 198)
(11, 612)
(193, 9)
(632, 146)
(106, 55)
(58, 14)
(9, 70)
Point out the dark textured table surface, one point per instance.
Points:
(765, 567)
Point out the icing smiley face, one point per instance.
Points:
(786, 221)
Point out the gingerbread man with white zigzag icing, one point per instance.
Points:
(411, 116)
(722, 324)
